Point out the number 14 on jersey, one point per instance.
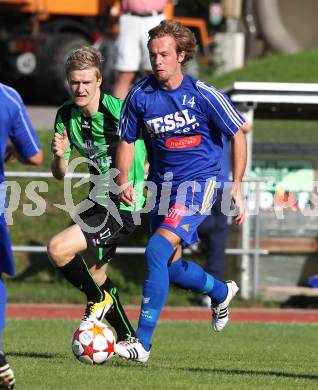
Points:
(190, 102)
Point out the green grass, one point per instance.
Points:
(185, 355)
(281, 132)
(300, 67)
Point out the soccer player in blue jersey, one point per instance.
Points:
(17, 131)
(182, 120)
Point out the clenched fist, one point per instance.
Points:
(59, 144)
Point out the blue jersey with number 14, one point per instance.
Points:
(182, 128)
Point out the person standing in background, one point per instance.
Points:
(214, 230)
(137, 18)
(17, 132)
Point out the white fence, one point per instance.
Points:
(246, 252)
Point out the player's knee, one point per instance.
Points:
(176, 271)
(158, 252)
(56, 252)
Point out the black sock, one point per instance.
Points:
(116, 316)
(77, 273)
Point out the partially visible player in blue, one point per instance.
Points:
(182, 120)
(16, 131)
(213, 231)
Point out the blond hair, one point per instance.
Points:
(183, 36)
(82, 58)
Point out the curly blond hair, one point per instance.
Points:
(183, 36)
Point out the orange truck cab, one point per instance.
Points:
(36, 37)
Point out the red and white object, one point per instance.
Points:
(93, 343)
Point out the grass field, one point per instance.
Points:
(34, 272)
(185, 355)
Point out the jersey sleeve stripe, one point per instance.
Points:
(27, 128)
(209, 102)
(125, 117)
(125, 110)
(236, 119)
(222, 100)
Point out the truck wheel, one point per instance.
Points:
(51, 79)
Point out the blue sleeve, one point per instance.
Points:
(130, 118)
(220, 109)
(21, 131)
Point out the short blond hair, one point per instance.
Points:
(183, 36)
(82, 58)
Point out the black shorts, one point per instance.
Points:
(107, 232)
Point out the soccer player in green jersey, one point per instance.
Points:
(88, 123)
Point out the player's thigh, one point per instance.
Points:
(127, 45)
(68, 242)
(172, 237)
(108, 233)
(182, 220)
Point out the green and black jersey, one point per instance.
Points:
(95, 138)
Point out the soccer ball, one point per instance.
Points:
(93, 343)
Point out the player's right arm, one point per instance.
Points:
(128, 130)
(59, 146)
(124, 160)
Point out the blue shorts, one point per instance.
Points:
(186, 211)
(6, 254)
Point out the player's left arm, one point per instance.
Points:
(26, 146)
(222, 113)
(239, 158)
(128, 130)
(35, 159)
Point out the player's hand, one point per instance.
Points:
(238, 204)
(59, 144)
(127, 194)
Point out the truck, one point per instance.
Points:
(36, 37)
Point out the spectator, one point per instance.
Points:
(137, 18)
(214, 230)
(17, 132)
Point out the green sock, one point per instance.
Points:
(77, 273)
(116, 316)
